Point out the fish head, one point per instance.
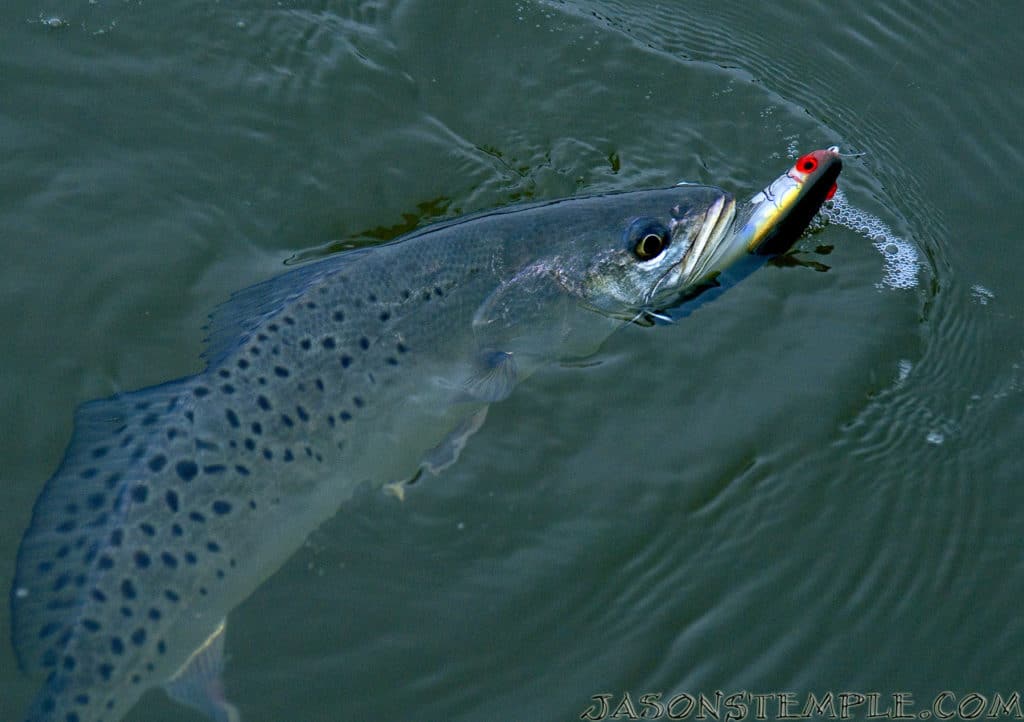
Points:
(675, 250)
(651, 257)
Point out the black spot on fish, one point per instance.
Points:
(329, 342)
(346, 361)
(364, 343)
(116, 645)
(250, 444)
(206, 445)
(147, 529)
(72, 717)
(91, 624)
(268, 454)
(287, 420)
(281, 371)
(89, 473)
(221, 507)
(385, 315)
(190, 415)
(68, 663)
(220, 573)
(213, 546)
(171, 595)
(67, 526)
(149, 419)
(176, 530)
(330, 420)
(154, 614)
(61, 582)
(306, 344)
(427, 296)
(126, 612)
(242, 470)
(140, 493)
(116, 537)
(196, 517)
(100, 452)
(254, 350)
(319, 385)
(242, 364)
(139, 637)
(372, 298)
(232, 418)
(113, 480)
(48, 629)
(345, 416)
(358, 401)
(289, 320)
(262, 381)
(288, 455)
(391, 361)
(190, 558)
(161, 647)
(105, 562)
(406, 294)
(262, 336)
(201, 391)
(63, 551)
(169, 559)
(142, 560)
(338, 316)
(257, 428)
(187, 470)
(252, 503)
(128, 589)
(273, 327)
(263, 402)
(227, 389)
(96, 501)
(214, 469)
(438, 292)
(310, 305)
(302, 414)
(171, 497)
(106, 671)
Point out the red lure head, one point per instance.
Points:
(806, 165)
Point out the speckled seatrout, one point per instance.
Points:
(174, 502)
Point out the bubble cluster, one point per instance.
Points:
(902, 264)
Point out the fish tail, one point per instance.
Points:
(116, 441)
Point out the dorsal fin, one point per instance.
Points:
(233, 321)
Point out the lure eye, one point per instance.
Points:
(807, 164)
(649, 246)
(647, 238)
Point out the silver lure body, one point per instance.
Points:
(173, 503)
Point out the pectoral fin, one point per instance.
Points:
(198, 684)
(494, 376)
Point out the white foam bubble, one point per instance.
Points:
(902, 264)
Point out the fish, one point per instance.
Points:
(173, 503)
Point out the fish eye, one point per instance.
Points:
(649, 246)
(807, 164)
(648, 238)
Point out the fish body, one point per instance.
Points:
(173, 503)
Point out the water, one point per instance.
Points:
(810, 484)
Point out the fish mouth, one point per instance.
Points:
(715, 229)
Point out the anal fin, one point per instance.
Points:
(444, 454)
(198, 683)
